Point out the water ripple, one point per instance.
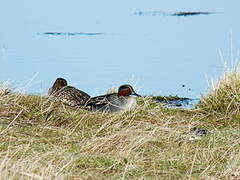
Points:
(72, 34)
(161, 13)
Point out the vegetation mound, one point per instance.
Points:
(41, 139)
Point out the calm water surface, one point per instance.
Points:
(101, 44)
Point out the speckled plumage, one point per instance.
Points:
(67, 94)
(114, 102)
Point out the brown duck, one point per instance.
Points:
(67, 94)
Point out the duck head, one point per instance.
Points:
(127, 90)
(59, 83)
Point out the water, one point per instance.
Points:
(182, 103)
(96, 45)
(71, 34)
(160, 13)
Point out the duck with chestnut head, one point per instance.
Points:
(67, 94)
(114, 102)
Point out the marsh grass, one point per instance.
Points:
(41, 139)
(224, 98)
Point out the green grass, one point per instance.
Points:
(41, 139)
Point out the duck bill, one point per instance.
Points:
(135, 94)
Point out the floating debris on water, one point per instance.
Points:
(71, 34)
(161, 13)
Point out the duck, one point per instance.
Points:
(67, 94)
(114, 102)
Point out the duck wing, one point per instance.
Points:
(72, 96)
(99, 100)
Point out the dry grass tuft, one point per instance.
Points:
(224, 98)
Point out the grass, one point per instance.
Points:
(224, 98)
(41, 139)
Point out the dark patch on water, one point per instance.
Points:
(190, 13)
(71, 34)
(160, 13)
(152, 13)
(169, 98)
(175, 101)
